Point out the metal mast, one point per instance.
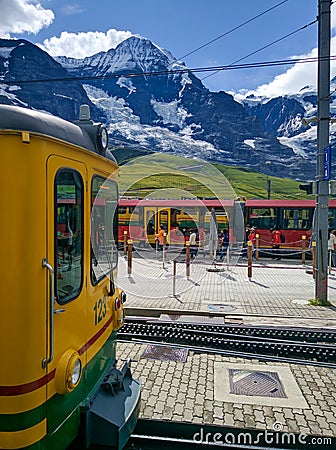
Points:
(323, 113)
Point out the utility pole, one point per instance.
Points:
(323, 113)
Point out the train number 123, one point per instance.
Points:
(100, 310)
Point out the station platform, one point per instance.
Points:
(199, 388)
(280, 290)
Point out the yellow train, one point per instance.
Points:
(60, 304)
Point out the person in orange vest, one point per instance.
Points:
(160, 238)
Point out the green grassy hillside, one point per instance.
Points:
(158, 174)
(252, 184)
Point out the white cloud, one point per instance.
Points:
(23, 16)
(69, 10)
(80, 45)
(291, 81)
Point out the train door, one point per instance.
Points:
(68, 256)
(150, 222)
(155, 217)
(164, 218)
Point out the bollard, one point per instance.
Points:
(174, 278)
(249, 259)
(329, 260)
(188, 259)
(303, 249)
(129, 256)
(125, 242)
(257, 247)
(314, 258)
(164, 249)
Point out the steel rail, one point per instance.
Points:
(246, 346)
(236, 353)
(314, 335)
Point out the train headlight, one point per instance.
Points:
(68, 372)
(76, 372)
(102, 138)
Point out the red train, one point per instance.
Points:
(140, 219)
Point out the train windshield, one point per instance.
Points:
(104, 227)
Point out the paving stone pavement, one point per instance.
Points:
(277, 293)
(184, 392)
(281, 289)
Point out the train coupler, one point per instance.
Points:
(114, 380)
(113, 409)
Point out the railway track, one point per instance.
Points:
(295, 345)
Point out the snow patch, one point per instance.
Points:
(170, 112)
(126, 83)
(127, 127)
(6, 51)
(250, 142)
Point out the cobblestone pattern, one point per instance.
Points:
(274, 289)
(185, 392)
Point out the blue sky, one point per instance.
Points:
(179, 26)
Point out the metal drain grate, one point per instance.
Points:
(256, 383)
(165, 353)
(222, 308)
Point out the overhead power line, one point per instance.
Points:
(233, 29)
(266, 46)
(169, 72)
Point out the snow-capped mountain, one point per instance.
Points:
(282, 116)
(149, 100)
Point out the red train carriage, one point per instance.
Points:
(293, 218)
(140, 219)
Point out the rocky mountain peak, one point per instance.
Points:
(166, 111)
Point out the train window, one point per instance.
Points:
(163, 220)
(298, 219)
(104, 227)
(332, 218)
(122, 209)
(150, 222)
(68, 235)
(263, 218)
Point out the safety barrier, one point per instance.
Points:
(129, 256)
(252, 253)
(125, 243)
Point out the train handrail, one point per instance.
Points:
(49, 267)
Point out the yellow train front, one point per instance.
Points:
(60, 304)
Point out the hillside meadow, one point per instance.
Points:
(167, 176)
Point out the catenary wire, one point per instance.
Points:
(266, 46)
(172, 72)
(233, 29)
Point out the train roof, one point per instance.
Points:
(176, 203)
(284, 203)
(216, 203)
(24, 119)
